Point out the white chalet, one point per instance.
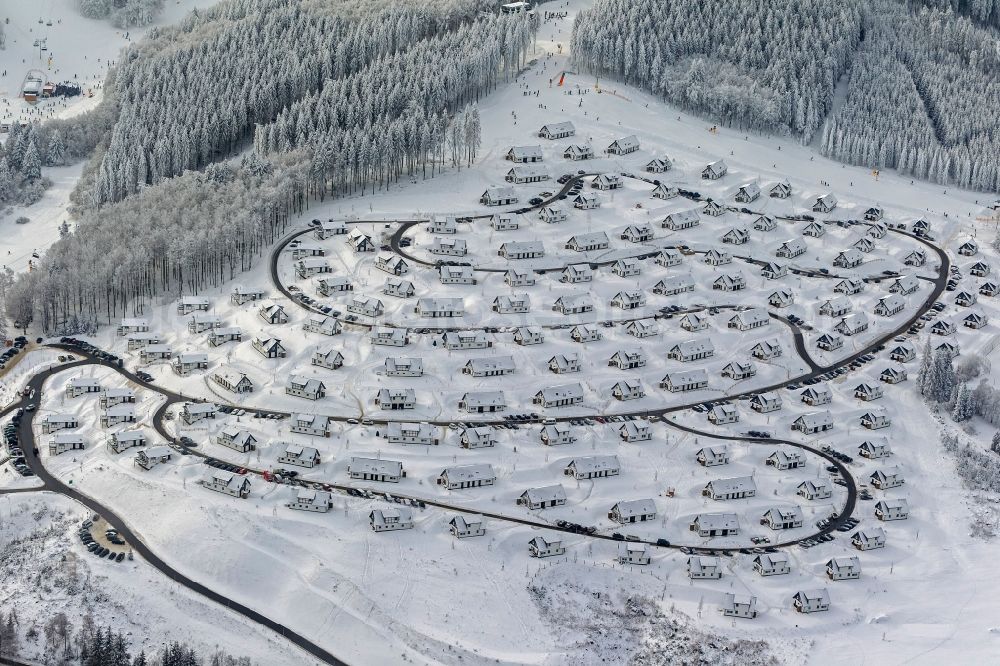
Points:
(273, 314)
(772, 564)
(227, 483)
(305, 387)
(852, 324)
(456, 275)
(192, 412)
(765, 350)
(714, 170)
(542, 547)
(359, 241)
(518, 278)
(868, 539)
(730, 489)
(584, 333)
(814, 489)
(300, 456)
(637, 233)
(498, 195)
(746, 320)
(465, 526)
(562, 364)
(658, 165)
(790, 248)
(411, 433)
(310, 424)
(563, 395)
(780, 190)
(884, 479)
(814, 230)
(389, 337)
(390, 519)
(372, 469)
(522, 250)
(700, 567)
(529, 335)
(504, 222)
(633, 511)
(785, 460)
(578, 151)
(641, 328)
(524, 154)
(782, 518)
(628, 389)
(671, 286)
(633, 553)
(489, 366)
(766, 402)
(62, 442)
(626, 267)
(396, 398)
(635, 431)
(573, 304)
(824, 203)
(528, 173)
(817, 395)
(479, 437)
(543, 498)
(689, 380)
(843, 568)
(588, 242)
(623, 146)
(739, 369)
(467, 476)
(682, 219)
(236, 439)
(713, 456)
(482, 402)
(557, 130)
(394, 264)
(730, 282)
(892, 509)
(310, 499)
(691, 350)
(813, 422)
(607, 181)
(443, 224)
(269, 347)
(593, 467)
(811, 601)
(440, 307)
(586, 201)
(552, 214)
(233, 380)
(715, 524)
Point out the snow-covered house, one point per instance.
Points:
(192, 412)
(498, 195)
(504, 222)
(867, 391)
(641, 328)
(736, 236)
(764, 403)
(682, 219)
(814, 489)
(626, 267)
(227, 483)
(396, 398)
(747, 193)
(489, 366)
(467, 476)
(633, 511)
(713, 208)
(637, 233)
(848, 258)
(62, 442)
(623, 146)
(782, 517)
(272, 314)
(765, 350)
(943, 327)
(298, 455)
(310, 499)
(628, 299)
(664, 191)
(979, 269)
(316, 323)
(607, 181)
(975, 320)
(694, 322)
(969, 248)
(233, 380)
(221, 336)
(562, 364)
(393, 264)
(478, 437)
(658, 165)
(837, 306)
(360, 241)
(988, 288)
(310, 424)
(529, 173)
(691, 350)
(440, 307)
(874, 448)
(700, 567)
(689, 380)
(892, 509)
(465, 339)
(791, 248)
(593, 467)
(578, 151)
(714, 170)
(814, 230)
(456, 275)
(628, 389)
(739, 369)
(813, 422)
(852, 324)
(552, 214)
(188, 304)
(269, 347)
(723, 414)
(730, 282)
(390, 519)
(730, 489)
(443, 224)
(715, 524)
(635, 431)
(627, 359)
(524, 154)
(811, 601)
(542, 547)
(543, 498)
(187, 362)
(573, 304)
(785, 460)
(864, 244)
(521, 250)
(563, 395)
(824, 203)
(518, 278)
(817, 395)
(241, 295)
(557, 130)
(781, 190)
(375, 469)
(774, 271)
(327, 228)
(848, 286)
(713, 456)
(715, 257)
(588, 242)
(466, 526)
(633, 553)
(310, 266)
(236, 439)
(307, 250)
(843, 568)
(529, 335)
(746, 320)
(483, 402)
(673, 285)
(765, 223)
(153, 456)
(126, 439)
(669, 257)
(131, 325)
(906, 284)
(869, 538)
(884, 479)
(305, 387)
(772, 564)
(54, 422)
(966, 298)
(556, 434)
(781, 298)
(903, 353)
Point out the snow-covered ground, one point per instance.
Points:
(387, 597)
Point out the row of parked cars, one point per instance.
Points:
(93, 350)
(20, 342)
(13, 446)
(97, 549)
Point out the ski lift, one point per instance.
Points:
(40, 21)
(36, 43)
(49, 23)
(44, 47)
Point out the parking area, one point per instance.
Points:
(102, 540)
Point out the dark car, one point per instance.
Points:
(534, 201)
(663, 542)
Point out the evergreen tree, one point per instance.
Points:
(56, 154)
(962, 411)
(31, 166)
(942, 377)
(926, 369)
